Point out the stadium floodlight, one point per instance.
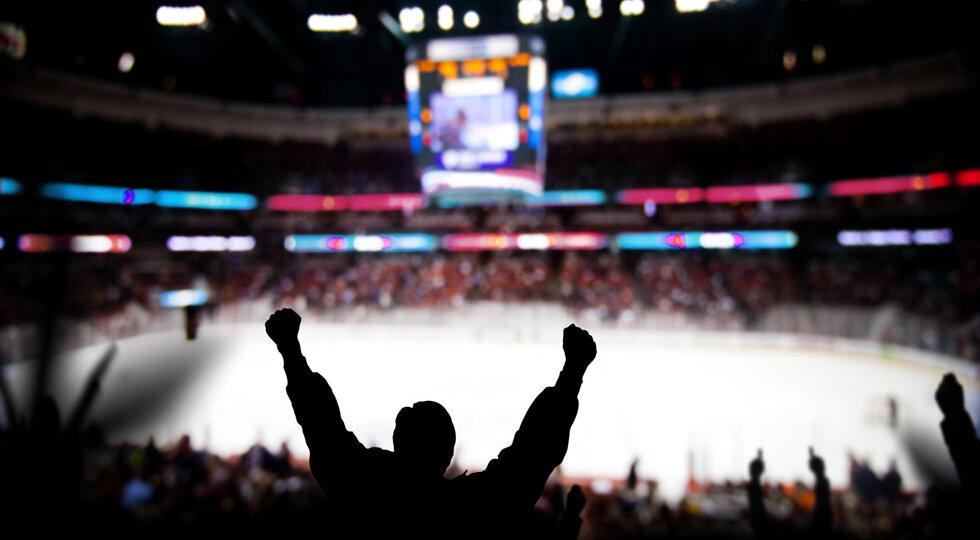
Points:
(181, 15)
(446, 15)
(529, 11)
(471, 19)
(691, 6)
(594, 7)
(319, 22)
(412, 19)
(631, 7)
(554, 8)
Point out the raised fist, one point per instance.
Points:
(283, 328)
(578, 345)
(757, 466)
(949, 395)
(816, 463)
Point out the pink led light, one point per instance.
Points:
(661, 195)
(307, 203)
(387, 201)
(892, 184)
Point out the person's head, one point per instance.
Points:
(425, 437)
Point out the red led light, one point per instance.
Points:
(969, 177)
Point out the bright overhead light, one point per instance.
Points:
(126, 61)
(555, 8)
(471, 19)
(412, 19)
(594, 8)
(346, 22)
(181, 15)
(446, 17)
(691, 6)
(567, 13)
(631, 7)
(529, 11)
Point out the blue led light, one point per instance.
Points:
(708, 240)
(580, 197)
(183, 298)
(644, 241)
(327, 243)
(205, 200)
(575, 83)
(96, 194)
(9, 186)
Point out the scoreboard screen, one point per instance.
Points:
(476, 117)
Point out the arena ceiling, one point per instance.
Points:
(263, 51)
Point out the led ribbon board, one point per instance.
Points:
(307, 203)
(79, 243)
(660, 196)
(758, 192)
(205, 200)
(890, 184)
(896, 237)
(707, 240)
(97, 194)
(526, 241)
(326, 243)
(210, 243)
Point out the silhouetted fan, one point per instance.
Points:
(404, 493)
(822, 514)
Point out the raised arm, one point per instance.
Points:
(959, 433)
(542, 440)
(757, 509)
(332, 446)
(822, 514)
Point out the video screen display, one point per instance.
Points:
(476, 117)
(475, 122)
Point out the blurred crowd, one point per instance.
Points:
(150, 487)
(720, 292)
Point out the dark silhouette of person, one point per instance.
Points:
(959, 433)
(822, 514)
(379, 493)
(956, 517)
(570, 523)
(757, 510)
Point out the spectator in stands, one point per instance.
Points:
(405, 491)
(959, 433)
(822, 514)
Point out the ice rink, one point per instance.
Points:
(681, 408)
